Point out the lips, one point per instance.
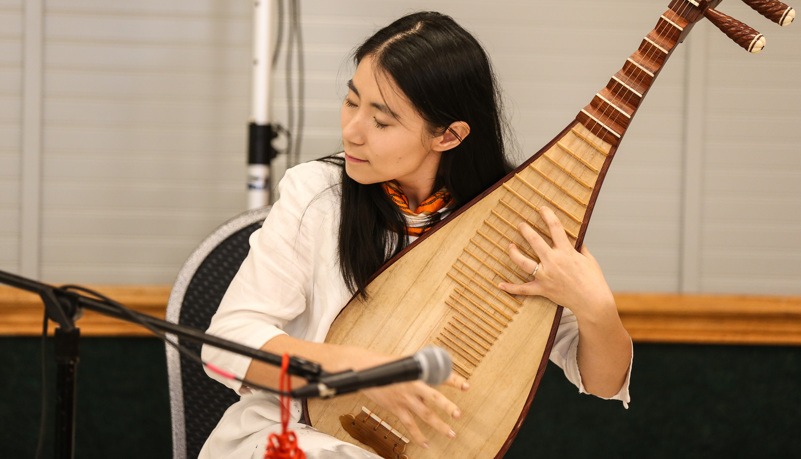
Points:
(354, 160)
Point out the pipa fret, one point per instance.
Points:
(470, 347)
(461, 370)
(464, 353)
(655, 45)
(670, 22)
(487, 265)
(483, 287)
(497, 260)
(641, 65)
(490, 292)
(473, 333)
(521, 197)
(570, 231)
(478, 269)
(607, 99)
(564, 169)
(664, 37)
(505, 236)
(624, 89)
(479, 316)
(604, 122)
(550, 201)
(460, 360)
(490, 240)
(504, 220)
(586, 139)
(486, 312)
(639, 78)
(462, 334)
(578, 157)
(561, 188)
(534, 225)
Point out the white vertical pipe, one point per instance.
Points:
(259, 174)
(262, 61)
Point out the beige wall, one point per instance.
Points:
(122, 132)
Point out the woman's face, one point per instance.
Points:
(383, 135)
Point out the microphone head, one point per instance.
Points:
(435, 364)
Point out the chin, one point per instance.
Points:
(360, 177)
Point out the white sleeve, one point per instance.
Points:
(273, 284)
(564, 354)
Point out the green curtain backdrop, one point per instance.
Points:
(687, 401)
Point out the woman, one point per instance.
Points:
(421, 130)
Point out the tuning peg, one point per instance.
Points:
(774, 10)
(748, 38)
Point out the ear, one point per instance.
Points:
(452, 137)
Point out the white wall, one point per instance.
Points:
(122, 132)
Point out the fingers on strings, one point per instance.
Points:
(542, 237)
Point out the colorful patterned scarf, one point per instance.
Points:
(419, 220)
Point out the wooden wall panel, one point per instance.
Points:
(649, 318)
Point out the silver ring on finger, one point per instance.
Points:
(534, 273)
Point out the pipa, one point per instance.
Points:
(442, 290)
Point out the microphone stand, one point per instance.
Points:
(64, 307)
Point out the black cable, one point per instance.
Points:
(183, 350)
(296, 29)
(295, 118)
(290, 111)
(43, 414)
(279, 35)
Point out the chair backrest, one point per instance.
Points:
(196, 401)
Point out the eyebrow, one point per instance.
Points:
(381, 107)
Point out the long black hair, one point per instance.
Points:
(446, 75)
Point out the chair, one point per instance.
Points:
(196, 401)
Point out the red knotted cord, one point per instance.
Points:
(284, 446)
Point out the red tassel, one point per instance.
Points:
(285, 445)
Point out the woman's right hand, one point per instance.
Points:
(412, 400)
(408, 401)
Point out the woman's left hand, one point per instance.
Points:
(564, 275)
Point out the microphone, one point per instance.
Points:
(432, 365)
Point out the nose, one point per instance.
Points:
(352, 131)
